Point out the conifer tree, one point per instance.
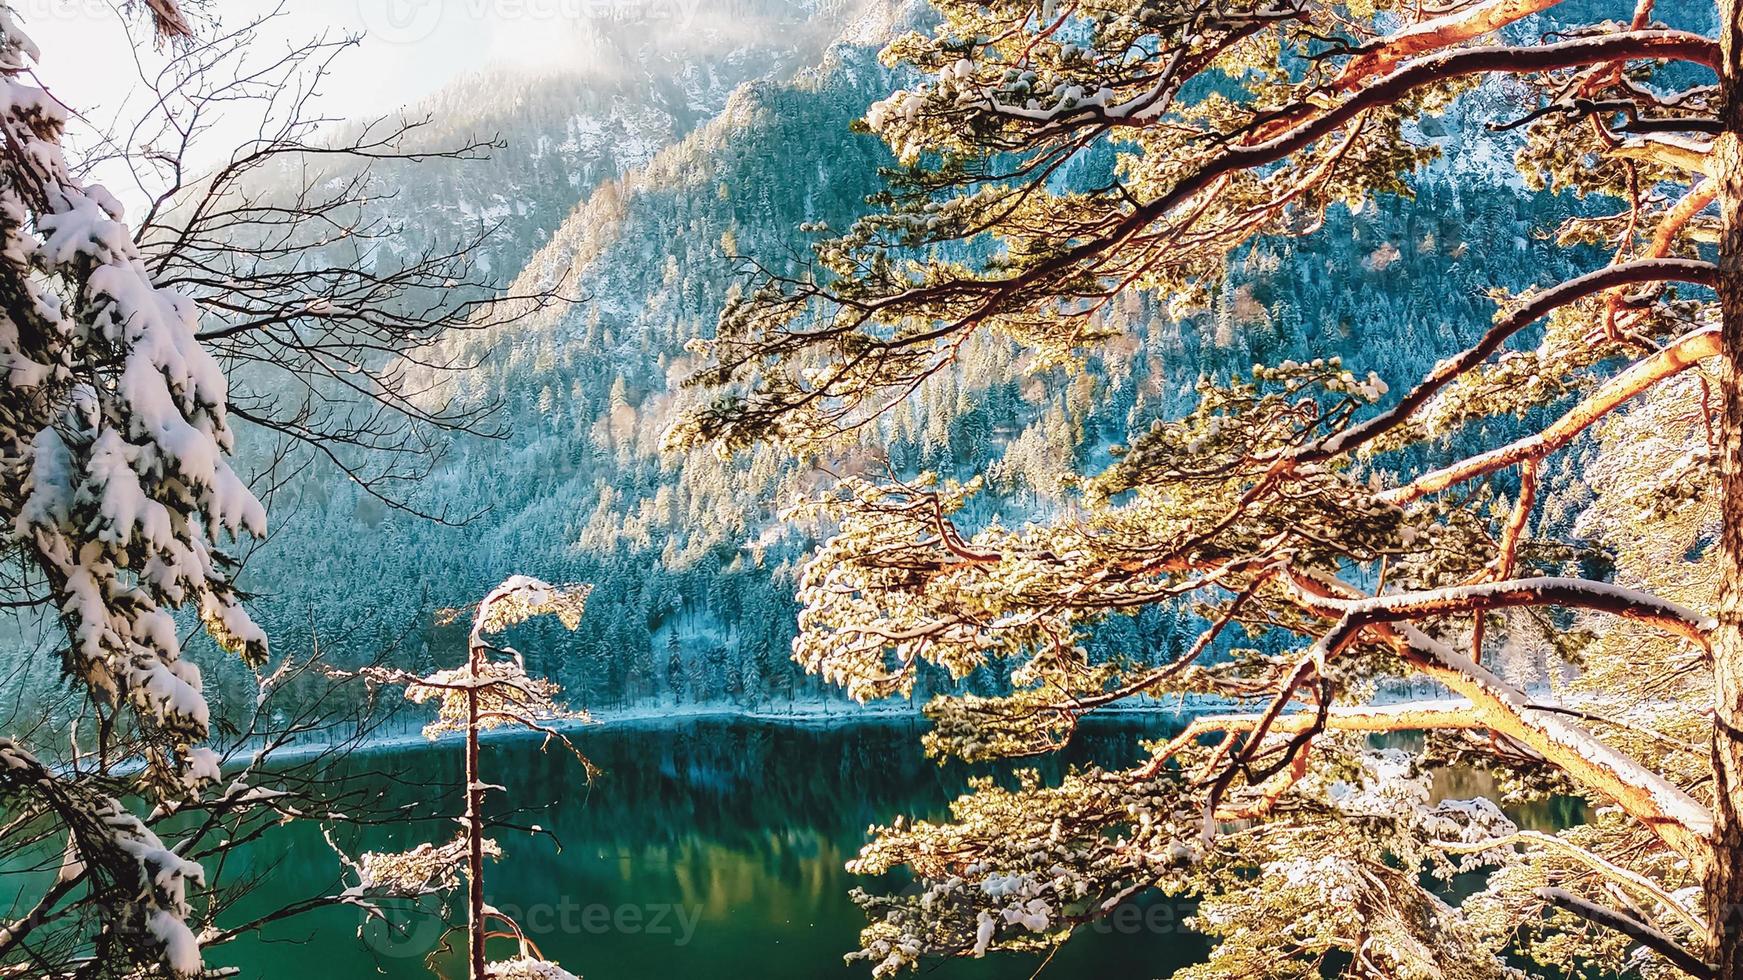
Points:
(1334, 537)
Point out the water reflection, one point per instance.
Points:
(706, 849)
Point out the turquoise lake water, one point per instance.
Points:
(705, 848)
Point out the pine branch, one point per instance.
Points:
(1629, 926)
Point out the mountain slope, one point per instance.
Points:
(580, 491)
(693, 571)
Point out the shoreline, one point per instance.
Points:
(814, 715)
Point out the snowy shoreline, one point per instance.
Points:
(813, 715)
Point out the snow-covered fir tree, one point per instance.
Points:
(117, 494)
(124, 509)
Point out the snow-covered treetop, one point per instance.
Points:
(117, 482)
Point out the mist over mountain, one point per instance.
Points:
(626, 87)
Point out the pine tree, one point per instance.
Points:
(1295, 503)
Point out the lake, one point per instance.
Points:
(705, 848)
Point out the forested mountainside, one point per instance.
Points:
(641, 85)
(693, 576)
(580, 491)
(693, 588)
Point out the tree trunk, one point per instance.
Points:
(1723, 876)
(474, 824)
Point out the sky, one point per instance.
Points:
(92, 55)
(410, 48)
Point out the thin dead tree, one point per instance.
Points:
(491, 690)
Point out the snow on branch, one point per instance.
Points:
(527, 968)
(1463, 24)
(1541, 591)
(116, 481)
(1536, 307)
(135, 877)
(1657, 803)
(1631, 927)
(1410, 716)
(520, 598)
(424, 870)
(1679, 356)
(1674, 152)
(168, 20)
(1625, 877)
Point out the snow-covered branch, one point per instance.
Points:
(1631, 880)
(1539, 305)
(1463, 24)
(1679, 356)
(136, 879)
(1660, 805)
(1633, 928)
(1572, 593)
(1409, 716)
(1675, 153)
